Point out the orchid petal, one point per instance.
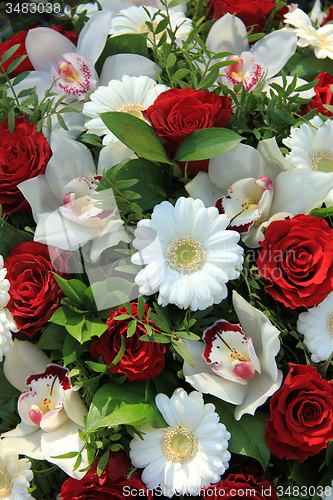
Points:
(93, 36)
(64, 440)
(228, 34)
(70, 159)
(261, 389)
(241, 162)
(39, 79)
(275, 161)
(113, 234)
(38, 194)
(74, 122)
(275, 49)
(113, 153)
(74, 406)
(299, 191)
(21, 360)
(45, 48)
(202, 187)
(23, 442)
(118, 65)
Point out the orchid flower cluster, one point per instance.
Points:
(166, 250)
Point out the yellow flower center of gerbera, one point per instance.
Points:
(180, 444)
(5, 483)
(134, 110)
(330, 326)
(324, 42)
(323, 162)
(185, 254)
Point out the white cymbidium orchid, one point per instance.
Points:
(254, 66)
(50, 408)
(237, 362)
(251, 186)
(66, 215)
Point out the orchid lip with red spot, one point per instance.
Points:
(74, 76)
(248, 70)
(232, 354)
(42, 405)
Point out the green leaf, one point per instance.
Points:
(72, 350)
(97, 367)
(120, 353)
(71, 454)
(7, 55)
(209, 79)
(52, 338)
(133, 43)
(73, 289)
(311, 66)
(20, 77)
(13, 65)
(141, 307)
(131, 329)
(207, 143)
(159, 338)
(11, 121)
(7, 392)
(183, 352)
(171, 61)
(136, 134)
(151, 183)
(10, 237)
(95, 326)
(121, 404)
(247, 434)
(174, 3)
(102, 463)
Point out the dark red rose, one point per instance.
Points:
(254, 13)
(19, 38)
(23, 154)
(34, 292)
(297, 260)
(245, 480)
(113, 483)
(323, 95)
(301, 422)
(177, 113)
(141, 360)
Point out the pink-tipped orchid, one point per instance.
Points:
(51, 410)
(255, 66)
(252, 186)
(236, 363)
(64, 203)
(247, 201)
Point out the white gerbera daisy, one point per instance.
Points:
(130, 95)
(312, 148)
(317, 327)
(7, 323)
(15, 475)
(133, 20)
(320, 40)
(190, 255)
(188, 455)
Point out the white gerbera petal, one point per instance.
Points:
(197, 252)
(130, 95)
(317, 327)
(190, 458)
(133, 20)
(16, 475)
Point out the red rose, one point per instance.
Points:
(301, 422)
(23, 154)
(21, 51)
(297, 260)
(34, 292)
(245, 480)
(329, 16)
(141, 360)
(254, 13)
(112, 484)
(177, 113)
(323, 95)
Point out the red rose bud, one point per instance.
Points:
(141, 360)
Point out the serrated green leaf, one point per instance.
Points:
(207, 143)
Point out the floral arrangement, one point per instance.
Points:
(166, 268)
